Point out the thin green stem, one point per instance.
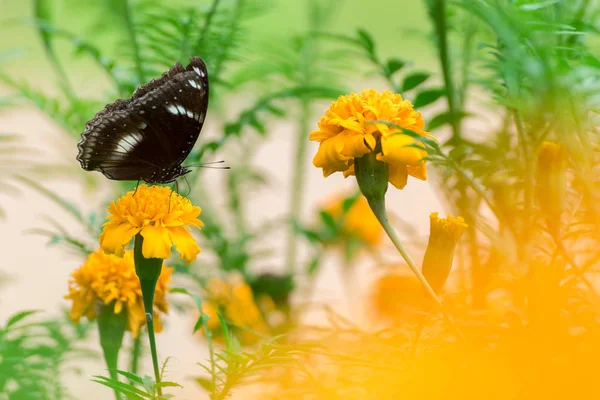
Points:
(298, 179)
(378, 207)
(439, 16)
(136, 352)
(133, 40)
(208, 21)
(148, 271)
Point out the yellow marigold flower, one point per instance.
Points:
(110, 281)
(444, 234)
(235, 300)
(160, 216)
(345, 134)
(359, 221)
(551, 180)
(396, 295)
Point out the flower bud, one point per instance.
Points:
(443, 237)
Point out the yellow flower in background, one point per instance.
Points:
(345, 133)
(551, 180)
(162, 217)
(358, 221)
(108, 280)
(444, 234)
(234, 299)
(397, 295)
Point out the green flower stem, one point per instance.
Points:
(129, 25)
(298, 179)
(378, 207)
(148, 271)
(372, 176)
(111, 328)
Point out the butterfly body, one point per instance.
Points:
(148, 136)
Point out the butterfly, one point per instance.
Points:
(148, 136)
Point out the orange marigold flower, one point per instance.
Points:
(397, 295)
(161, 216)
(358, 221)
(105, 280)
(347, 131)
(234, 299)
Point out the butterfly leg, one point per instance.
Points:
(136, 187)
(189, 187)
(176, 185)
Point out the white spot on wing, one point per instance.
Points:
(194, 84)
(181, 110)
(173, 109)
(199, 72)
(190, 114)
(128, 142)
(142, 125)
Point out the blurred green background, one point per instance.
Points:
(388, 20)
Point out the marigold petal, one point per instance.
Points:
(398, 175)
(330, 157)
(116, 236)
(400, 148)
(185, 244)
(419, 171)
(157, 242)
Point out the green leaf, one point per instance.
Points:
(226, 333)
(19, 316)
(125, 388)
(460, 152)
(206, 383)
(313, 265)
(393, 65)
(445, 118)
(328, 220)
(413, 80)
(366, 41)
(428, 96)
(349, 202)
(132, 377)
(167, 384)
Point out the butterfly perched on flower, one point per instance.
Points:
(148, 136)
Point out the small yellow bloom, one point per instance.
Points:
(551, 180)
(358, 221)
(345, 134)
(234, 299)
(444, 234)
(108, 280)
(162, 217)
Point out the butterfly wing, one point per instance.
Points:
(150, 134)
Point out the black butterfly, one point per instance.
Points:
(149, 135)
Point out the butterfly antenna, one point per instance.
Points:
(209, 165)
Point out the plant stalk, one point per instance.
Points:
(134, 42)
(111, 329)
(378, 208)
(148, 271)
(136, 352)
(438, 15)
(298, 179)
